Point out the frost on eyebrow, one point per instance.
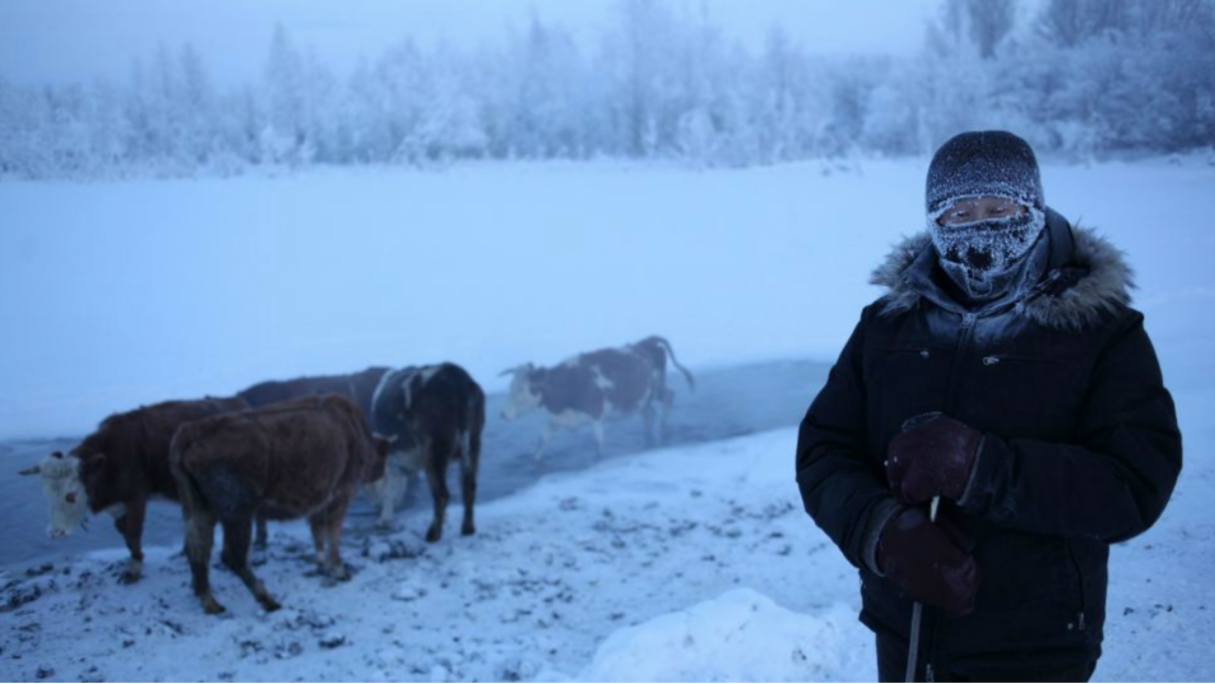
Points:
(952, 204)
(987, 246)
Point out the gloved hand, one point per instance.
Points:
(924, 561)
(934, 458)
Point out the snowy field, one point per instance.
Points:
(698, 557)
(117, 294)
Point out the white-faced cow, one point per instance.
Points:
(591, 387)
(118, 468)
(434, 415)
(300, 459)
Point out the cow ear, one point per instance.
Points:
(32, 470)
(57, 454)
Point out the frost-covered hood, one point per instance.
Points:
(1088, 277)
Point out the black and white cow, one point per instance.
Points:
(591, 387)
(432, 415)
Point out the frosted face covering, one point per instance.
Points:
(989, 246)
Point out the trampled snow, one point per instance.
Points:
(741, 635)
(256, 278)
(592, 575)
(550, 575)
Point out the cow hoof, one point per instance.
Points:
(468, 530)
(340, 573)
(212, 607)
(433, 535)
(270, 605)
(131, 573)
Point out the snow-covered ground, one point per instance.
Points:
(551, 573)
(699, 556)
(685, 564)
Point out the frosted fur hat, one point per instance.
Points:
(984, 164)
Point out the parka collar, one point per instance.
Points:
(1086, 278)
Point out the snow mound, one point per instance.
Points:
(740, 636)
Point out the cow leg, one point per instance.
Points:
(668, 403)
(389, 487)
(130, 526)
(200, 535)
(335, 516)
(318, 524)
(238, 534)
(597, 429)
(436, 477)
(410, 486)
(544, 439)
(262, 539)
(648, 414)
(468, 481)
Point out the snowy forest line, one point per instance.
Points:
(1077, 77)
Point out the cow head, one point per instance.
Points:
(64, 491)
(524, 393)
(383, 447)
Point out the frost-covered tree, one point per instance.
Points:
(540, 101)
(194, 107)
(636, 61)
(983, 23)
(660, 79)
(284, 137)
(448, 123)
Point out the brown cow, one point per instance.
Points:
(591, 387)
(303, 458)
(118, 468)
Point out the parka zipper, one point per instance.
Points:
(967, 330)
(1079, 624)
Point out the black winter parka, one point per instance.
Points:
(1081, 447)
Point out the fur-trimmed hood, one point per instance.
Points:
(1089, 278)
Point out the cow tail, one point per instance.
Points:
(476, 424)
(662, 341)
(192, 498)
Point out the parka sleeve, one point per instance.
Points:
(840, 483)
(1114, 481)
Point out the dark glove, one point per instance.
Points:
(926, 563)
(933, 458)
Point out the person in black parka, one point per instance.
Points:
(1005, 372)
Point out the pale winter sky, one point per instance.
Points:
(77, 40)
